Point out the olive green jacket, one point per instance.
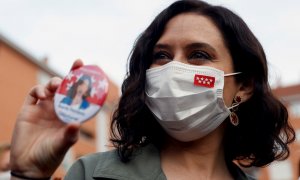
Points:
(145, 165)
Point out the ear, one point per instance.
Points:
(245, 91)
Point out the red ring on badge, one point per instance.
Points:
(81, 94)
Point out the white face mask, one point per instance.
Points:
(187, 100)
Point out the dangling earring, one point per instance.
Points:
(234, 119)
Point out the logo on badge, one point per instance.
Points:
(81, 94)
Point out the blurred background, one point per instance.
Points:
(41, 39)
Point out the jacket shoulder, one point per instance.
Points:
(84, 167)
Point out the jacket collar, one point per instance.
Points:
(145, 164)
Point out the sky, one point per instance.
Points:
(103, 32)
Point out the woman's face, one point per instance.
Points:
(194, 39)
(82, 88)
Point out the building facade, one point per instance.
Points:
(288, 169)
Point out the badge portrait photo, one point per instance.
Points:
(81, 94)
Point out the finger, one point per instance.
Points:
(36, 93)
(68, 138)
(77, 64)
(72, 133)
(53, 84)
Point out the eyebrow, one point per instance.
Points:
(196, 45)
(162, 46)
(201, 45)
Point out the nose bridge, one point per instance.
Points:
(179, 55)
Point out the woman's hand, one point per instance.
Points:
(40, 140)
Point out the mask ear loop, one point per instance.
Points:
(232, 74)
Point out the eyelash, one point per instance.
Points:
(204, 55)
(196, 57)
(161, 57)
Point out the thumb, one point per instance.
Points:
(77, 64)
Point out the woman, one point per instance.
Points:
(195, 100)
(76, 96)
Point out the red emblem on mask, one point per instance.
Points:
(205, 81)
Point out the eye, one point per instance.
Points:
(161, 57)
(199, 57)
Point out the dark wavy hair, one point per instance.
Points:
(72, 92)
(263, 133)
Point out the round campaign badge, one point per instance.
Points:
(81, 94)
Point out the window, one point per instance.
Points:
(43, 77)
(281, 170)
(295, 108)
(298, 136)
